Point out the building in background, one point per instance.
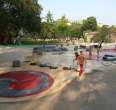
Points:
(113, 37)
(89, 36)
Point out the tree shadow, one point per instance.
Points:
(82, 95)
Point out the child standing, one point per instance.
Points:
(81, 60)
(76, 59)
(76, 56)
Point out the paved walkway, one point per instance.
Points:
(96, 92)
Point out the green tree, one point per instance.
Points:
(113, 28)
(90, 24)
(62, 27)
(49, 17)
(16, 15)
(103, 34)
(75, 30)
(47, 27)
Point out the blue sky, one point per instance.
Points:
(103, 10)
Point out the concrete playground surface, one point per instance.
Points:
(96, 90)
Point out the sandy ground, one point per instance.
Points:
(96, 92)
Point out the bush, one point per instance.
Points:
(33, 42)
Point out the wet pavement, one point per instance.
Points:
(96, 91)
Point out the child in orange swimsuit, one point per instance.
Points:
(81, 60)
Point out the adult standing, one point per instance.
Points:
(90, 52)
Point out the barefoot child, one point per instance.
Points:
(81, 60)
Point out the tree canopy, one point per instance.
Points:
(90, 24)
(103, 34)
(19, 14)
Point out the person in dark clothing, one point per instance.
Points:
(100, 45)
(76, 55)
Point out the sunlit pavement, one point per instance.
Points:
(61, 78)
(94, 91)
